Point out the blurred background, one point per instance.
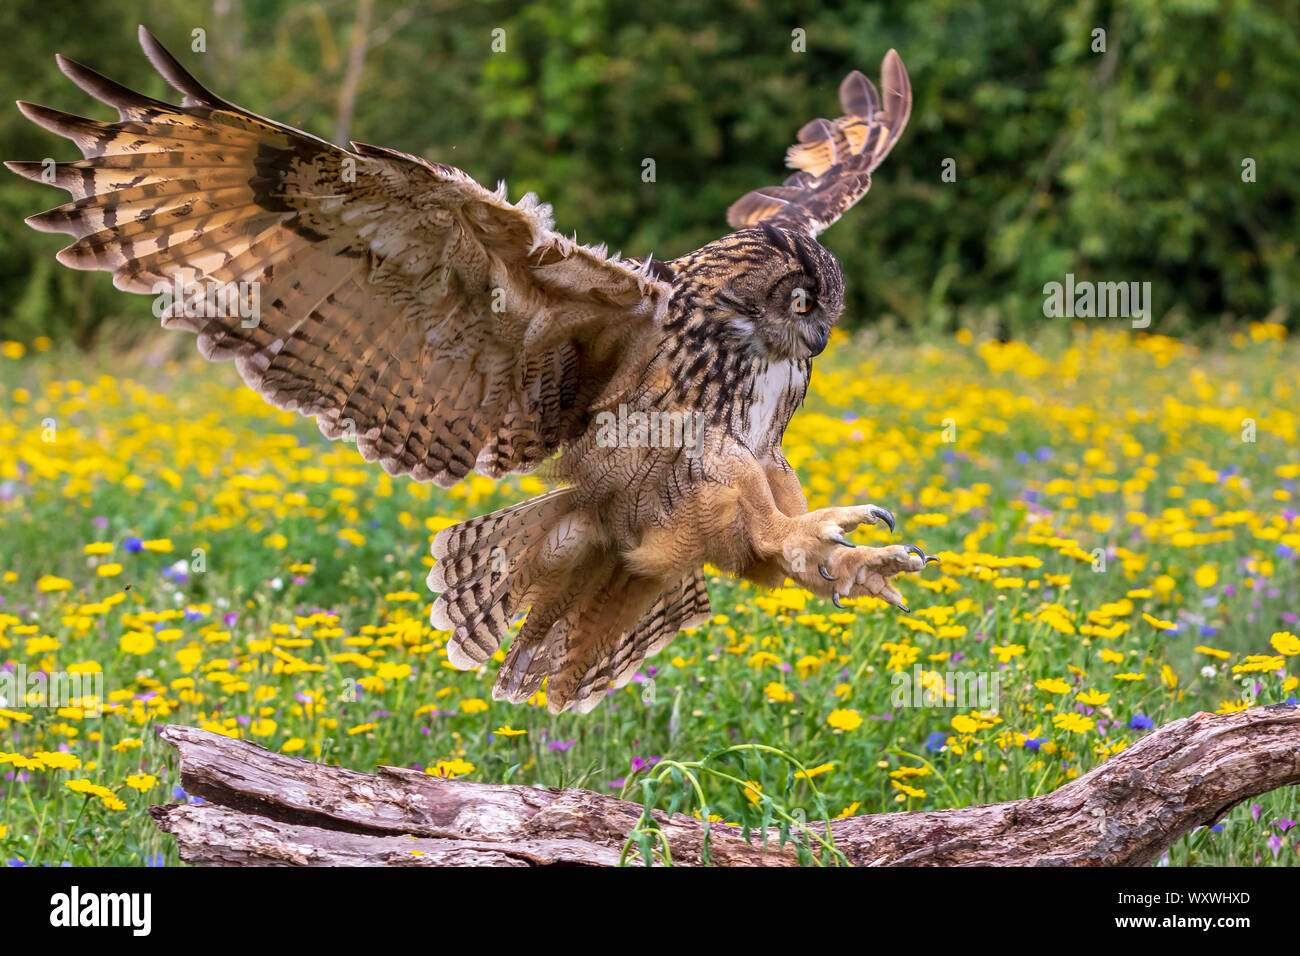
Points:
(1122, 165)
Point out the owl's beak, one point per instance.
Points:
(816, 339)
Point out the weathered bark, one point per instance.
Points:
(274, 809)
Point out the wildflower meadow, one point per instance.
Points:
(1115, 516)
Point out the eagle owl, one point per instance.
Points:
(448, 330)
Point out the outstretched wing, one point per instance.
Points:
(396, 300)
(834, 159)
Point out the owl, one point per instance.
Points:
(447, 330)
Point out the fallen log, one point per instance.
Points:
(267, 808)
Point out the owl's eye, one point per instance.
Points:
(802, 302)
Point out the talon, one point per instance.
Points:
(840, 539)
(925, 558)
(904, 608)
(826, 574)
(884, 514)
(835, 599)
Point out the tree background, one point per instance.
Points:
(1117, 166)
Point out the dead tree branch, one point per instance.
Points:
(271, 809)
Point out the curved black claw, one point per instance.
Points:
(840, 539)
(835, 599)
(883, 514)
(904, 608)
(826, 574)
(925, 558)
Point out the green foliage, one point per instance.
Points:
(1116, 166)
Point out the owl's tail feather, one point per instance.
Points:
(591, 619)
(488, 569)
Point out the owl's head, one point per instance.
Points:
(772, 290)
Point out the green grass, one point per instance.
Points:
(1016, 465)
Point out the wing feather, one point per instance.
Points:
(397, 300)
(834, 158)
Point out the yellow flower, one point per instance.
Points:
(808, 665)
(1212, 652)
(910, 791)
(1286, 643)
(157, 545)
(98, 547)
(474, 705)
(57, 760)
(450, 768)
(814, 771)
(142, 781)
(109, 570)
(508, 731)
(50, 582)
(1207, 575)
(844, 719)
(777, 693)
(137, 642)
(1259, 664)
(1157, 623)
(1005, 652)
(753, 791)
(1074, 723)
(1092, 698)
(1052, 685)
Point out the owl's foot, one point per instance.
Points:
(820, 536)
(866, 572)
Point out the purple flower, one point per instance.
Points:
(1284, 825)
(1033, 743)
(100, 522)
(1275, 844)
(1285, 551)
(1255, 810)
(561, 745)
(936, 741)
(616, 784)
(1141, 722)
(133, 545)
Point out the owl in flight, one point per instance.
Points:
(447, 330)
